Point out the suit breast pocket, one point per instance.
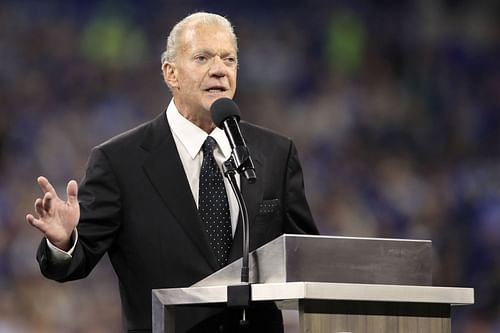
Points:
(268, 207)
(267, 224)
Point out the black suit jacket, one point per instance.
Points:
(136, 205)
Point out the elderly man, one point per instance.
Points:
(144, 196)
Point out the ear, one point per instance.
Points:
(170, 75)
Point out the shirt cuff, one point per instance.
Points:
(60, 255)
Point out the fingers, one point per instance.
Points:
(47, 202)
(43, 206)
(51, 209)
(50, 192)
(72, 192)
(35, 223)
(39, 207)
(46, 186)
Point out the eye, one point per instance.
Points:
(201, 58)
(230, 60)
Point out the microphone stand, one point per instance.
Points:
(240, 295)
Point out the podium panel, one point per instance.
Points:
(367, 317)
(292, 258)
(328, 323)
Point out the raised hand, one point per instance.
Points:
(56, 218)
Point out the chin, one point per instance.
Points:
(215, 97)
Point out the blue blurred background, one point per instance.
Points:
(394, 106)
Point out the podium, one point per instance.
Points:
(337, 284)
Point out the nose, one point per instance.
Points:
(217, 67)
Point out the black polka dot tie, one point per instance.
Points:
(213, 205)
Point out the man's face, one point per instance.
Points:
(205, 68)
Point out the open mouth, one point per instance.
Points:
(216, 89)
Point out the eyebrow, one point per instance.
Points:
(212, 52)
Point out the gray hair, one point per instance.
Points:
(168, 56)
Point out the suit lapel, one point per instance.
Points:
(166, 173)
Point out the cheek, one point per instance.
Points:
(190, 87)
(186, 78)
(233, 78)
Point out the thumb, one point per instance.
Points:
(72, 192)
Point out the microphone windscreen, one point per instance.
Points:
(222, 109)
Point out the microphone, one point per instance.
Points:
(226, 115)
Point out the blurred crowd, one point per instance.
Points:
(394, 107)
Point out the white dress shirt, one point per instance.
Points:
(188, 139)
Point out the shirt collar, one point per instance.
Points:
(191, 136)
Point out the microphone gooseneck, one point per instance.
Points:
(226, 115)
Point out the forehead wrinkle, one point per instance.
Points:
(195, 30)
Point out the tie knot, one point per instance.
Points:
(209, 145)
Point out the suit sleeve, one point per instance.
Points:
(100, 206)
(298, 218)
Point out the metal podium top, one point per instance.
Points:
(293, 291)
(294, 258)
(289, 295)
